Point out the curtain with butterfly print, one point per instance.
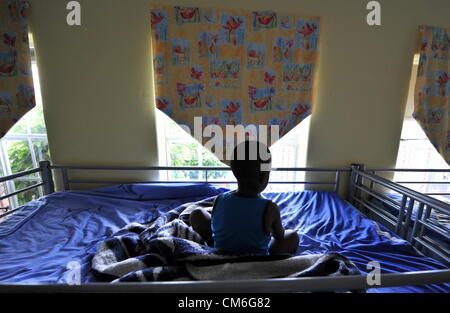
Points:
(16, 81)
(234, 67)
(432, 90)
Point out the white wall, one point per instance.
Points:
(96, 78)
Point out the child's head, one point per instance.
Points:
(251, 165)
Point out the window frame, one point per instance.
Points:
(421, 139)
(167, 138)
(28, 137)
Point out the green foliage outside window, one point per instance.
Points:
(21, 160)
(188, 152)
(19, 154)
(182, 154)
(37, 123)
(34, 120)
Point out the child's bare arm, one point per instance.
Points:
(272, 221)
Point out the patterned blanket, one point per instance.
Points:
(168, 249)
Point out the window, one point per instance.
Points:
(22, 148)
(416, 151)
(178, 148)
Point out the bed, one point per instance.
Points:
(392, 202)
(40, 239)
(425, 227)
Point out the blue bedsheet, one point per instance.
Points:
(37, 244)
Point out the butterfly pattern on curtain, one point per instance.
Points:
(234, 67)
(16, 80)
(432, 90)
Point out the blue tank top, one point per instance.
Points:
(237, 224)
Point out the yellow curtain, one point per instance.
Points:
(234, 67)
(16, 81)
(432, 90)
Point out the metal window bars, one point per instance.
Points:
(358, 193)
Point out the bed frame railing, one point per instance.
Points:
(47, 172)
(362, 184)
(272, 285)
(67, 180)
(45, 180)
(380, 171)
(415, 228)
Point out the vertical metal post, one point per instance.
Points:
(351, 184)
(65, 178)
(400, 216)
(422, 229)
(357, 191)
(47, 177)
(336, 182)
(371, 181)
(416, 223)
(408, 217)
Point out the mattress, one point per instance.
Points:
(38, 243)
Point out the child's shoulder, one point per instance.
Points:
(271, 204)
(225, 194)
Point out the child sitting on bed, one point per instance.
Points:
(242, 220)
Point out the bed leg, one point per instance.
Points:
(353, 180)
(47, 177)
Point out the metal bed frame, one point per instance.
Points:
(412, 227)
(361, 185)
